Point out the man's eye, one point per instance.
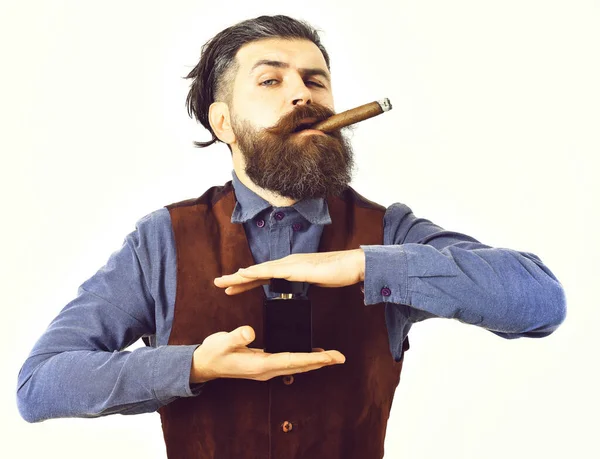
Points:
(314, 83)
(270, 82)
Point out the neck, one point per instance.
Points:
(276, 200)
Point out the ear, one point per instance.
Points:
(220, 121)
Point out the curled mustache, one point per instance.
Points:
(297, 119)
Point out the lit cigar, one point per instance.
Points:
(354, 115)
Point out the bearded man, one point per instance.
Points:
(289, 212)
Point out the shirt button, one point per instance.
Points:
(386, 291)
(279, 216)
(287, 426)
(260, 223)
(288, 380)
(297, 226)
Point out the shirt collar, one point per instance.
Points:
(248, 205)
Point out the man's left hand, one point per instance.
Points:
(324, 269)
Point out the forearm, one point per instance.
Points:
(510, 293)
(79, 367)
(86, 383)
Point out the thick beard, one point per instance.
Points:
(293, 166)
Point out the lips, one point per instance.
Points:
(299, 120)
(305, 123)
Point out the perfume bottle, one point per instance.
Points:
(287, 319)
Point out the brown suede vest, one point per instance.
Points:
(337, 412)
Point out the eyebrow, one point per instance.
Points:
(306, 72)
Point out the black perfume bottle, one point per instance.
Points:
(287, 319)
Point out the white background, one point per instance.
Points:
(494, 133)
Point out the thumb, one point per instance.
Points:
(242, 336)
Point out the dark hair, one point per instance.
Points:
(213, 76)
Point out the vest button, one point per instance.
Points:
(287, 426)
(260, 223)
(288, 380)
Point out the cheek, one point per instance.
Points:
(266, 117)
(248, 107)
(326, 101)
(262, 108)
(261, 116)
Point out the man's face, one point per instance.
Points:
(281, 86)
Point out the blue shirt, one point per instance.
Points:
(79, 367)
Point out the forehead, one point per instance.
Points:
(296, 53)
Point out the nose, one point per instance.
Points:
(301, 94)
(302, 101)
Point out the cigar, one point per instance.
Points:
(354, 115)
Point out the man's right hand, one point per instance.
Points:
(226, 355)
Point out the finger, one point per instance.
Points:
(235, 289)
(254, 271)
(241, 336)
(288, 267)
(303, 369)
(216, 335)
(297, 360)
(318, 349)
(286, 372)
(337, 356)
(273, 272)
(231, 279)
